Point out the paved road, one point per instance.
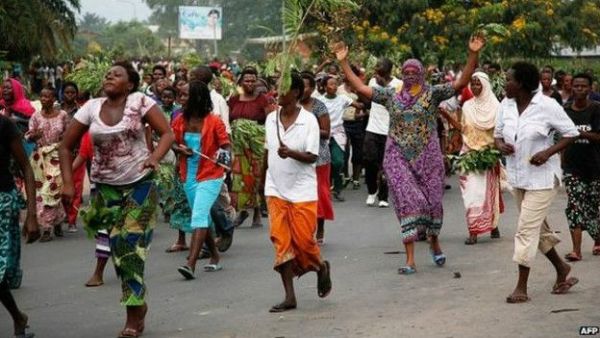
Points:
(369, 298)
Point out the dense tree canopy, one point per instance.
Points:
(36, 27)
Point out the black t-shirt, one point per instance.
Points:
(9, 132)
(582, 158)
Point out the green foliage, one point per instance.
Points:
(90, 73)
(192, 60)
(294, 15)
(99, 217)
(475, 161)
(36, 27)
(437, 31)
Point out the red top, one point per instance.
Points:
(465, 95)
(251, 110)
(213, 136)
(86, 150)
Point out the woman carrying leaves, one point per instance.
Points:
(413, 160)
(122, 168)
(480, 186)
(247, 113)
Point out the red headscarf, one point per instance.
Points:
(20, 103)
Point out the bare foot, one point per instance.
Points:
(563, 273)
(94, 281)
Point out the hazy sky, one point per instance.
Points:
(115, 10)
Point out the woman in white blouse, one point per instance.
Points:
(523, 133)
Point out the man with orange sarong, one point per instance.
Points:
(290, 185)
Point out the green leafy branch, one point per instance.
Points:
(294, 14)
(475, 161)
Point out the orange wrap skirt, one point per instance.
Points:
(292, 227)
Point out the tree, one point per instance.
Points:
(36, 27)
(92, 23)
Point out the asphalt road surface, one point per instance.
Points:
(369, 298)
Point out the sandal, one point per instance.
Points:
(596, 250)
(186, 272)
(573, 257)
(516, 299)
(177, 248)
(471, 241)
(213, 267)
(564, 287)
(407, 270)
(282, 307)
(439, 259)
(129, 333)
(324, 282)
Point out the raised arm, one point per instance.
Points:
(476, 43)
(341, 52)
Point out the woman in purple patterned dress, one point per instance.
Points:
(413, 160)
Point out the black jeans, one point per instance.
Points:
(373, 152)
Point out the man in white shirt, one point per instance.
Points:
(290, 185)
(523, 133)
(376, 136)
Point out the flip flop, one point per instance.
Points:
(282, 308)
(564, 287)
(213, 267)
(596, 250)
(470, 241)
(186, 272)
(439, 259)
(324, 283)
(93, 285)
(573, 257)
(407, 270)
(516, 299)
(177, 248)
(129, 333)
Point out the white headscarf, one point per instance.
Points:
(482, 109)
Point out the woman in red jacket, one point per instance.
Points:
(203, 145)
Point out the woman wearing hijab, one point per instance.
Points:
(14, 104)
(480, 190)
(413, 160)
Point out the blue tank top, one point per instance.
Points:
(192, 141)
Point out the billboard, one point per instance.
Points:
(200, 23)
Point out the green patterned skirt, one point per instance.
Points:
(128, 213)
(172, 197)
(10, 240)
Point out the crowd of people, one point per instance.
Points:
(168, 140)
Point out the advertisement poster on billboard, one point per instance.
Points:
(200, 23)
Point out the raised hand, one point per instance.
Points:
(476, 42)
(341, 51)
